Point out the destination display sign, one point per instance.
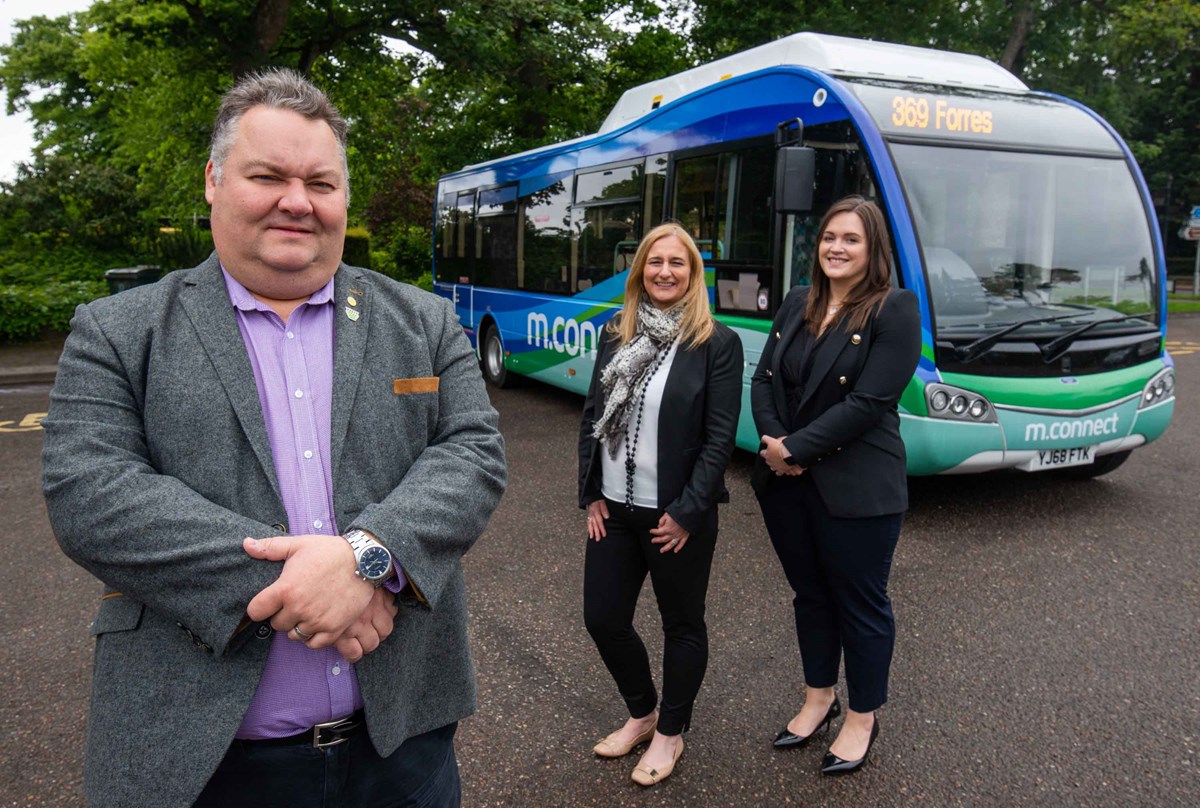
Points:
(1002, 119)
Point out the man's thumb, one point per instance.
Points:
(276, 548)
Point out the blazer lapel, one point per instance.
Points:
(835, 340)
(349, 350)
(791, 327)
(207, 305)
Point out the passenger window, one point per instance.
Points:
(607, 218)
(546, 248)
(496, 246)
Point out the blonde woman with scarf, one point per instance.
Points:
(658, 429)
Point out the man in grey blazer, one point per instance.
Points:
(260, 457)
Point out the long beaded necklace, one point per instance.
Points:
(631, 445)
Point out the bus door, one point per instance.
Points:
(841, 169)
(722, 197)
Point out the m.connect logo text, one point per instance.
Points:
(1074, 428)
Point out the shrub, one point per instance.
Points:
(26, 311)
(357, 252)
(402, 253)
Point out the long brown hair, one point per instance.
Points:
(697, 324)
(868, 295)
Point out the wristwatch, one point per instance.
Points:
(374, 562)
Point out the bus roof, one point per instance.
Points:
(835, 55)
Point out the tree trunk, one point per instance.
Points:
(1024, 17)
(269, 20)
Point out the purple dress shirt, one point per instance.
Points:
(293, 368)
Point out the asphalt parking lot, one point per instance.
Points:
(1047, 654)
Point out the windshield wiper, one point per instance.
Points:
(1055, 348)
(974, 350)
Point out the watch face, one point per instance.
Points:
(373, 563)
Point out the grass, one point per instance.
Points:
(1182, 303)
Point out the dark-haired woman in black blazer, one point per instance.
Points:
(658, 429)
(831, 474)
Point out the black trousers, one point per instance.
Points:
(838, 569)
(422, 773)
(614, 569)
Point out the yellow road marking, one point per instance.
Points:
(30, 423)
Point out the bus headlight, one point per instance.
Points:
(1158, 389)
(955, 403)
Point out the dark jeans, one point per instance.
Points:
(614, 569)
(838, 569)
(422, 772)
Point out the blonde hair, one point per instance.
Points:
(696, 326)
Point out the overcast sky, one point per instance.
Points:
(16, 133)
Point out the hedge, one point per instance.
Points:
(26, 311)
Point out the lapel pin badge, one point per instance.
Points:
(352, 300)
(352, 314)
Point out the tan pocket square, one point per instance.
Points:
(423, 385)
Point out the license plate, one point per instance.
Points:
(1061, 458)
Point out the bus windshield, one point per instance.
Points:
(1010, 237)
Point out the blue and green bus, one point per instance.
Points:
(1019, 218)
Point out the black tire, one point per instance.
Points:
(1102, 465)
(491, 358)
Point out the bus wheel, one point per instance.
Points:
(493, 358)
(1102, 465)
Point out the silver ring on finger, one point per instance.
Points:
(301, 634)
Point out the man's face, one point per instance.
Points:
(279, 211)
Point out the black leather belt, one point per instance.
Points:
(320, 736)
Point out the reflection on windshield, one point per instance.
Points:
(1009, 237)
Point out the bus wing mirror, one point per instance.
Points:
(795, 172)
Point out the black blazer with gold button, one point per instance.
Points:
(848, 429)
(697, 424)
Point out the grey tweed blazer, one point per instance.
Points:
(156, 465)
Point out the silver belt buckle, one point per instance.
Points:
(337, 739)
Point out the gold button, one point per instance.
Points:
(856, 339)
(841, 379)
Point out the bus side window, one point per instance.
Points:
(545, 257)
(457, 264)
(656, 182)
(606, 217)
(496, 238)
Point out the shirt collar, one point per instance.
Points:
(241, 298)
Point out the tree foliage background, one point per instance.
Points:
(122, 97)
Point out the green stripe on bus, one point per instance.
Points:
(1048, 393)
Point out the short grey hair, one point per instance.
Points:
(275, 88)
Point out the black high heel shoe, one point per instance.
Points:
(790, 740)
(832, 764)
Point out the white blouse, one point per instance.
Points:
(645, 475)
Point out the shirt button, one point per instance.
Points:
(308, 454)
(299, 394)
(290, 335)
(337, 669)
(317, 523)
